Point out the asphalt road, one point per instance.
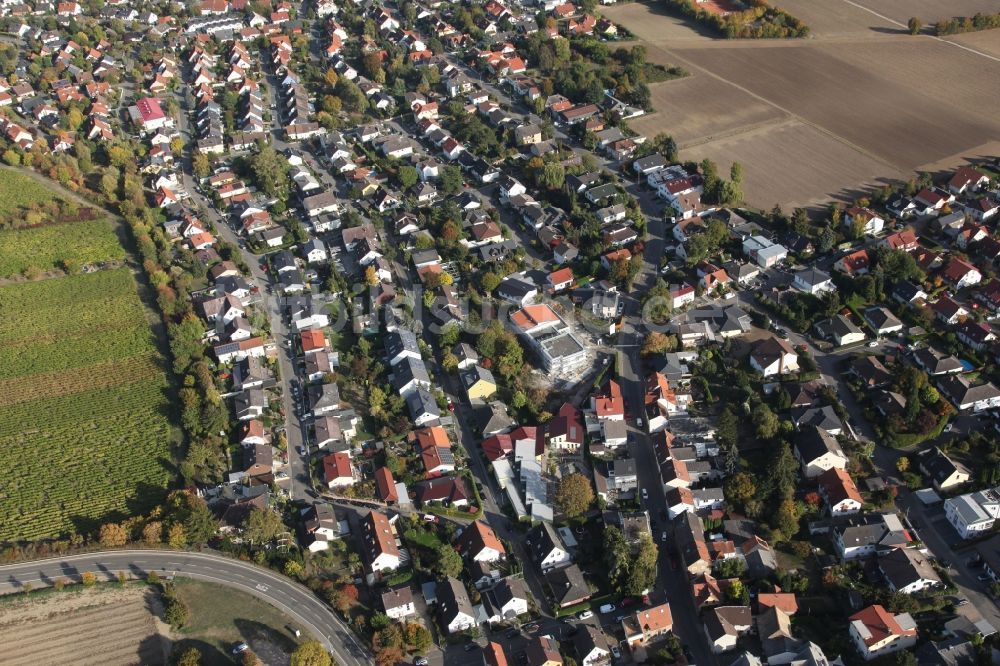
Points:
(291, 598)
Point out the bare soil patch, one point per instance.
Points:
(928, 11)
(987, 41)
(794, 164)
(836, 19)
(701, 107)
(651, 23)
(101, 626)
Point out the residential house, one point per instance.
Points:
(448, 491)
(546, 548)
(881, 321)
(877, 632)
(869, 534)
(689, 537)
(319, 527)
(385, 485)
(568, 586)
(773, 356)
(338, 470)
(818, 451)
(479, 383)
(839, 492)
(908, 571)
(565, 431)
(974, 513)
(944, 473)
(960, 273)
(724, 625)
(381, 550)
(975, 334)
(964, 395)
(813, 281)
(840, 330)
(479, 543)
(870, 371)
(648, 625)
(509, 599)
(543, 651)
(591, 646)
(853, 263)
(454, 609)
(398, 603)
(763, 251)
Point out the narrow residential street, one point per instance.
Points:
(298, 466)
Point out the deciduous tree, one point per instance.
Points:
(311, 653)
(574, 495)
(112, 535)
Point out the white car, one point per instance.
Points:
(584, 615)
(607, 608)
(873, 344)
(645, 494)
(615, 652)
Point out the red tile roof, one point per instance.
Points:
(385, 485)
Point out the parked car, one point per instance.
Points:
(512, 633)
(873, 344)
(420, 661)
(584, 615)
(645, 494)
(240, 647)
(615, 652)
(983, 578)
(607, 608)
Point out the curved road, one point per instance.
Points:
(297, 601)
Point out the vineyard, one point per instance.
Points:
(47, 247)
(85, 427)
(19, 192)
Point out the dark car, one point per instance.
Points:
(513, 632)
(469, 647)
(782, 333)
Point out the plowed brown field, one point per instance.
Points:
(816, 118)
(97, 627)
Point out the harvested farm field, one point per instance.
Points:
(818, 158)
(928, 11)
(697, 108)
(852, 99)
(101, 626)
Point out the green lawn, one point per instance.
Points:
(17, 191)
(221, 616)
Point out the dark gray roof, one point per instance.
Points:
(421, 402)
(821, 417)
(452, 600)
(568, 584)
(813, 442)
(408, 370)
